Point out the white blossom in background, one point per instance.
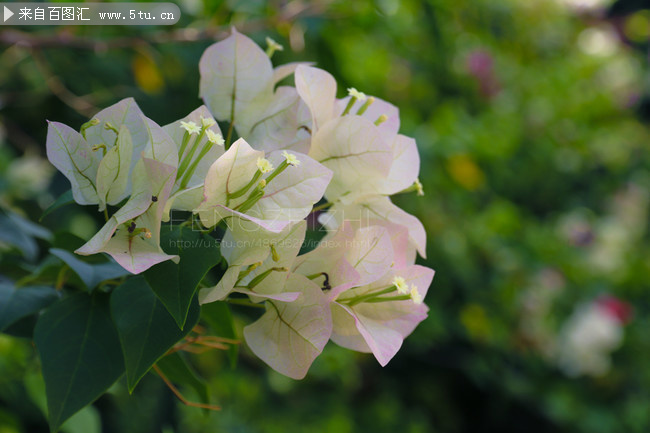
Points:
(29, 176)
(590, 335)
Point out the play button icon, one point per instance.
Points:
(7, 14)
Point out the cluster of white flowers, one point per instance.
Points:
(298, 146)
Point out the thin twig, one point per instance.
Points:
(180, 396)
(58, 89)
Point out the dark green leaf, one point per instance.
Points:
(80, 353)
(175, 367)
(30, 228)
(11, 234)
(67, 241)
(46, 272)
(22, 328)
(146, 329)
(16, 304)
(219, 318)
(90, 274)
(63, 200)
(175, 284)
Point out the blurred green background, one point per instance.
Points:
(532, 123)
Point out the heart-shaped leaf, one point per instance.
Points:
(90, 274)
(80, 353)
(64, 199)
(175, 284)
(145, 328)
(16, 304)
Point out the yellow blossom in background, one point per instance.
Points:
(465, 172)
(147, 75)
(476, 322)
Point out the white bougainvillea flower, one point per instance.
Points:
(200, 149)
(374, 109)
(378, 210)
(113, 170)
(98, 165)
(214, 138)
(380, 327)
(237, 84)
(282, 250)
(368, 159)
(351, 257)
(190, 127)
(317, 88)
(285, 195)
(264, 165)
(148, 137)
(257, 253)
(132, 235)
(364, 165)
(355, 151)
(354, 93)
(290, 335)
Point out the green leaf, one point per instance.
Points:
(16, 304)
(175, 367)
(87, 420)
(11, 235)
(90, 274)
(145, 328)
(23, 328)
(67, 241)
(175, 284)
(80, 353)
(63, 200)
(219, 318)
(30, 228)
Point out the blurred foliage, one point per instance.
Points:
(531, 119)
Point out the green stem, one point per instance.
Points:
(390, 298)
(192, 169)
(188, 159)
(186, 140)
(230, 128)
(381, 119)
(348, 107)
(280, 168)
(60, 278)
(108, 126)
(244, 274)
(258, 279)
(321, 206)
(369, 296)
(91, 122)
(365, 106)
(255, 196)
(248, 186)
